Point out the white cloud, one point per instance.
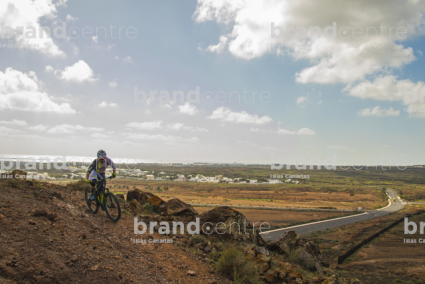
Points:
(339, 147)
(302, 131)
(333, 59)
(306, 131)
(95, 39)
(348, 64)
(61, 2)
(128, 59)
(49, 69)
(14, 122)
(79, 72)
(106, 104)
(20, 91)
(147, 125)
(386, 88)
(220, 46)
(377, 111)
(71, 18)
(148, 112)
(188, 109)
(113, 84)
(7, 130)
(285, 132)
(254, 129)
(160, 137)
(99, 135)
(28, 14)
(248, 143)
(225, 114)
(301, 99)
(67, 128)
(39, 127)
(180, 126)
(389, 88)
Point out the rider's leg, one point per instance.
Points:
(93, 189)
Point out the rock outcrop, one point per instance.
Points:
(19, 174)
(172, 207)
(179, 208)
(229, 223)
(305, 253)
(141, 196)
(135, 207)
(158, 204)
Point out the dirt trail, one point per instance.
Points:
(48, 236)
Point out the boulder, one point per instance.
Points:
(263, 263)
(306, 253)
(121, 196)
(141, 196)
(179, 208)
(19, 174)
(271, 276)
(231, 224)
(158, 204)
(135, 207)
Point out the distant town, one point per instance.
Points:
(138, 171)
(79, 172)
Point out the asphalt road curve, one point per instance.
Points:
(338, 222)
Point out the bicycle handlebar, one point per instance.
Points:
(110, 177)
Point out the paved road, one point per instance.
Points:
(329, 224)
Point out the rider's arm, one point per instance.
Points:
(91, 167)
(113, 167)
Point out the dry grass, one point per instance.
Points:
(235, 265)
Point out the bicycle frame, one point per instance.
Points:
(100, 189)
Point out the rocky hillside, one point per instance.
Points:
(49, 236)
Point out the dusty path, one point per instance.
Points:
(47, 236)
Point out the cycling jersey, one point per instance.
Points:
(97, 169)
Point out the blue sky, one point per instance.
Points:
(327, 95)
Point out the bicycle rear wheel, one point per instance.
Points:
(112, 207)
(92, 204)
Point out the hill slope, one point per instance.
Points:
(47, 236)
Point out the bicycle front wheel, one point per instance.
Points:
(112, 207)
(92, 204)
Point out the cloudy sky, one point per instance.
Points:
(214, 81)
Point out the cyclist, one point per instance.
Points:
(97, 170)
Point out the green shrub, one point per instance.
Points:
(14, 183)
(36, 184)
(198, 239)
(148, 207)
(294, 257)
(81, 185)
(236, 266)
(215, 255)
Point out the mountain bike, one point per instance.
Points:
(102, 198)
